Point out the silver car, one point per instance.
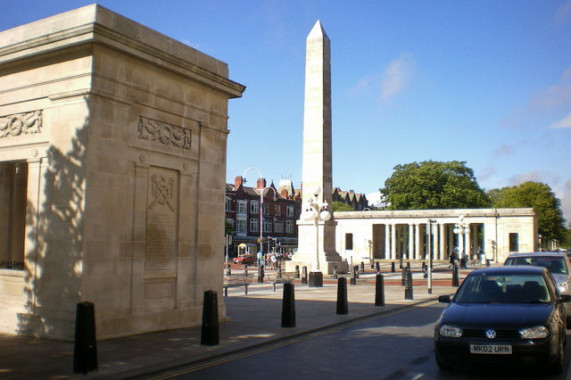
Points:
(557, 263)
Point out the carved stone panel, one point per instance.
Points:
(162, 220)
(164, 133)
(20, 124)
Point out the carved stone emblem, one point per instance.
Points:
(162, 191)
(20, 124)
(164, 133)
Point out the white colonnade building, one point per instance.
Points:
(367, 236)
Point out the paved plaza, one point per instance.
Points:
(253, 319)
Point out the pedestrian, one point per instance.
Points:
(274, 261)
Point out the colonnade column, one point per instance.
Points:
(442, 253)
(436, 240)
(393, 242)
(467, 241)
(411, 247)
(387, 241)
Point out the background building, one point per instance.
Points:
(358, 201)
(280, 208)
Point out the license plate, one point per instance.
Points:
(491, 349)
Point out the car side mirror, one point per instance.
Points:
(444, 299)
(564, 298)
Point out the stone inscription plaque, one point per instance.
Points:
(162, 220)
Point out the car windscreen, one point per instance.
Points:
(503, 288)
(554, 264)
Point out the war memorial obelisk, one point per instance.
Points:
(316, 237)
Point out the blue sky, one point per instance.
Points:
(486, 82)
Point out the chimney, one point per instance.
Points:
(261, 183)
(238, 181)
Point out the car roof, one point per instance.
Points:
(515, 269)
(545, 253)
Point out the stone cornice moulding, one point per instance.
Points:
(156, 48)
(436, 213)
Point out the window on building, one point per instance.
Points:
(279, 227)
(228, 204)
(254, 207)
(514, 242)
(266, 209)
(13, 198)
(278, 210)
(267, 225)
(241, 207)
(254, 225)
(289, 227)
(241, 226)
(349, 241)
(290, 211)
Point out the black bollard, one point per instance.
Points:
(342, 304)
(228, 270)
(261, 274)
(408, 266)
(380, 291)
(297, 271)
(85, 347)
(362, 267)
(315, 279)
(288, 306)
(354, 275)
(209, 333)
(403, 277)
(304, 276)
(245, 270)
(393, 267)
(378, 267)
(455, 281)
(408, 286)
(279, 269)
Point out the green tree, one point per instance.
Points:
(538, 195)
(433, 185)
(340, 206)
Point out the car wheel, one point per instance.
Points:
(443, 365)
(557, 366)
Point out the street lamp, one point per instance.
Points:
(316, 210)
(429, 249)
(260, 207)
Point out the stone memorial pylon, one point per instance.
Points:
(316, 237)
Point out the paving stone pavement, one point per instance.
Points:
(252, 320)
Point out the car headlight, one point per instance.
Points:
(563, 287)
(537, 332)
(450, 331)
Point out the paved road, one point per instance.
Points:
(395, 346)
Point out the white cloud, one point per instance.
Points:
(396, 76)
(362, 85)
(563, 123)
(547, 104)
(502, 150)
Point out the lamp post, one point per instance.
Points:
(315, 210)
(429, 249)
(461, 228)
(260, 207)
